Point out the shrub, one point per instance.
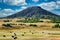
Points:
(4, 35)
(41, 21)
(6, 21)
(33, 25)
(22, 34)
(32, 33)
(15, 38)
(12, 24)
(42, 32)
(6, 25)
(56, 26)
(12, 36)
(22, 24)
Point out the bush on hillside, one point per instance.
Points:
(56, 26)
(33, 25)
(6, 20)
(6, 25)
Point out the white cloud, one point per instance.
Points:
(58, 5)
(6, 12)
(35, 0)
(58, 2)
(15, 2)
(23, 7)
(48, 6)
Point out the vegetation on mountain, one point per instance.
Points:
(32, 20)
(55, 20)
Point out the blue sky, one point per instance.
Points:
(9, 7)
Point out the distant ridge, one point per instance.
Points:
(34, 11)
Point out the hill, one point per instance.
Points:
(35, 12)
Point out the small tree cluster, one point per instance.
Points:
(6, 21)
(32, 20)
(6, 25)
(33, 25)
(56, 26)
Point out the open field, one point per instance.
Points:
(30, 34)
(24, 31)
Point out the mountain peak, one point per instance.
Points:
(34, 11)
(35, 7)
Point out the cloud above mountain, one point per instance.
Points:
(15, 2)
(50, 5)
(6, 12)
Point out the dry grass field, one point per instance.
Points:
(23, 31)
(29, 34)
